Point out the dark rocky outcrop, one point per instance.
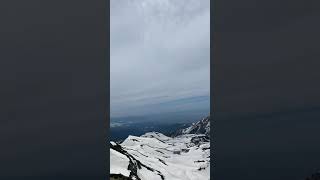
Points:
(199, 127)
(133, 166)
(119, 177)
(197, 140)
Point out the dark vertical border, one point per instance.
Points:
(107, 125)
(266, 89)
(212, 106)
(54, 89)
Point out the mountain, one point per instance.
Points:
(200, 127)
(154, 156)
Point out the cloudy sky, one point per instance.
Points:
(160, 56)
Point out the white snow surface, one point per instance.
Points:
(119, 163)
(174, 158)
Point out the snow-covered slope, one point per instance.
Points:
(200, 127)
(154, 156)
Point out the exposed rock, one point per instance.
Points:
(200, 127)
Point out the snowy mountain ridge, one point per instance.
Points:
(154, 156)
(200, 127)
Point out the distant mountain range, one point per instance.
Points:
(199, 127)
(152, 156)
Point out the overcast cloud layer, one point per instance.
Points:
(160, 56)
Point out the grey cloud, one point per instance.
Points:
(160, 51)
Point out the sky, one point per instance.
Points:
(159, 56)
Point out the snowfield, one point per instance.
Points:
(154, 156)
(120, 163)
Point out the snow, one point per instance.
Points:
(200, 127)
(118, 163)
(174, 158)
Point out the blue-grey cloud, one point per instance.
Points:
(160, 54)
